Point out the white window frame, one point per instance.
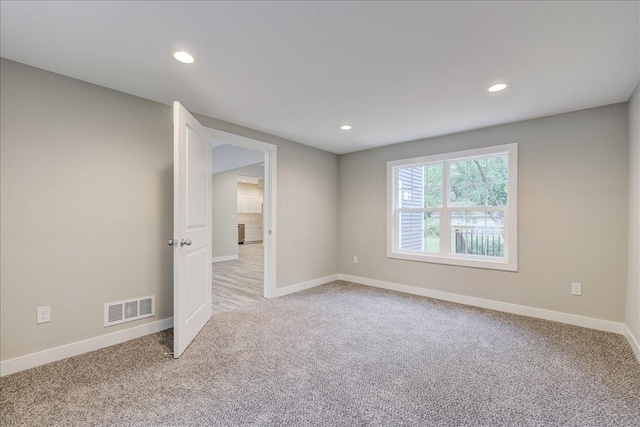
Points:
(510, 260)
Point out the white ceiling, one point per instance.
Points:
(227, 157)
(396, 71)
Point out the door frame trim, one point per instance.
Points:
(270, 190)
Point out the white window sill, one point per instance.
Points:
(475, 262)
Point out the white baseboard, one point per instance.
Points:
(305, 285)
(540, 313)
(633, 342)
(32, 360)
(28, 361)
(224, 258)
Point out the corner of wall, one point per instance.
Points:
(633, 342)
(632, 312)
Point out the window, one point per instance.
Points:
(455, 208)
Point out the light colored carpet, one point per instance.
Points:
(343, 355)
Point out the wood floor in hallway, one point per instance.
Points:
(239, 282)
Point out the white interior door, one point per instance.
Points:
(191, 228)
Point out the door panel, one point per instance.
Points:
(197, 181)
(196, 266)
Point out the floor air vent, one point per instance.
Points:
(131, 309)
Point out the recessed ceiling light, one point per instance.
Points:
(497, 87)
(184, 57)
(345, 127)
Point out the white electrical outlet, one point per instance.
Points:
(576, 289)
(43, 314)
(355, 259)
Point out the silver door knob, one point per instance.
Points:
(173, 242)
(185, 242)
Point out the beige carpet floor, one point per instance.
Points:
(343, 355)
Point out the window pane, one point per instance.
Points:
(478, 182)
(477, 233)
(432, 232)
(411, 187)
(433, 189)
(420, 231)
(458, 184)
(411, 230)
(497, 180)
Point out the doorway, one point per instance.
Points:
(192, 223)
(243, 196)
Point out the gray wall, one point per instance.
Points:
(306, 207)
(572, 214)
(224, 228)
(87, 207)
(633, 276)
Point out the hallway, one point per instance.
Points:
(239, 282)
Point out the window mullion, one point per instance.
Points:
(480, 208)
(445, 217)
(396, 232)
(397, 197)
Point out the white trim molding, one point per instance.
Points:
(32, 360)
(540, 313)
(305, 285)
(224, 258)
